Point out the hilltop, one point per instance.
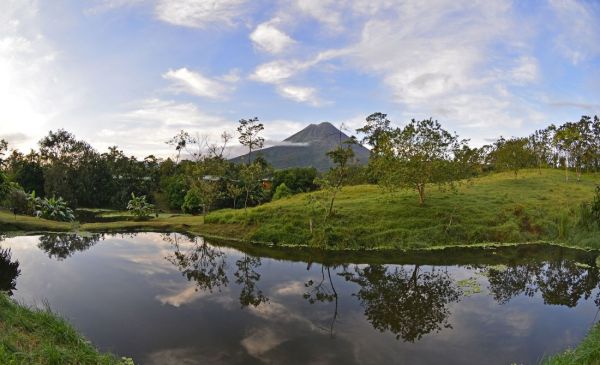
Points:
(308, 148)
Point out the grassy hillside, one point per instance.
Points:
(29, 336)
(494, 208)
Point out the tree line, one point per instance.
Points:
(199, 178)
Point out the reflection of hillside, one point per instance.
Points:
(9, 271)
(61, 246)
(561, 282)
(407, 303)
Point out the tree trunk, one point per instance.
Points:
(421, 190)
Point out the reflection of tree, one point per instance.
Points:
(560, 282)
(9, 271)
(407, 304)
(201, 263)
(323, 291)
(506, 283)
(247, 276)
(61, 246)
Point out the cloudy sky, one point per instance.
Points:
(133, 73)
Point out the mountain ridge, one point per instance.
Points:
(308, 148)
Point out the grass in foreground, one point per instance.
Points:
(495, 208)
(31, 336)
(587, 353)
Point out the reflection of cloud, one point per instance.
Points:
(185, 296)
(186, 356)
(290, 288)
(260, 341)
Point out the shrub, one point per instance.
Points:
(192, 203)
(55, 209)
(17, 201)
(282, 191)
(139, 207)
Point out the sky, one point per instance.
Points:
(133, 73)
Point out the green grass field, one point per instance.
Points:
(497, 208)
(494, 208)
(32, 336)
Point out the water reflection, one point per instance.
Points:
(407, 303)
(560, 282)
(247, 276)
(319, 307)
(9, 271)
(61, 246)
(198, 261)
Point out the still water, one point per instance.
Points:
(173, 299)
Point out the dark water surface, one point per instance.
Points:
(171, 299)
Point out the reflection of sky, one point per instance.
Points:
(125, 296)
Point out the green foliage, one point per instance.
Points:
(53, 208)
(4, 186)
(192, 203)
(139, 207)
(176, 188)
(18, 201)
(282, 191)
(512, 155)
(420, 153)
(298, 179)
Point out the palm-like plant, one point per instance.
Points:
(139, 206)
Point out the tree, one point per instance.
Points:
(249, 130)
(282, 191)
(341, 157)
(420, 153)
(376, 132)
(574, 140)
(250, 178)
(512, 154)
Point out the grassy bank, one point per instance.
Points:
(31, 336)
(587, 353)
(494, 208)
(498, 208)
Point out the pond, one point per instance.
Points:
(174, 299)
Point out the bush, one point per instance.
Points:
(139, 207)
(54, 209)
(298, 179)
(282, 191)
(17, 201)
(595, 206)
(192, 203)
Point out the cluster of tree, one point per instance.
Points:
(571, 146)
(422, 152)
(73, 170)
(199, 179)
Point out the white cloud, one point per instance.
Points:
(198, 84)
(32, 88)
(107, 5)
(200, 13)
(526, 70)
(268, 38)
(322, 10)
(300, 94)
(152, 122)
(276, 71)
(578, 21)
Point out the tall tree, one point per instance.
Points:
(249, 130)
